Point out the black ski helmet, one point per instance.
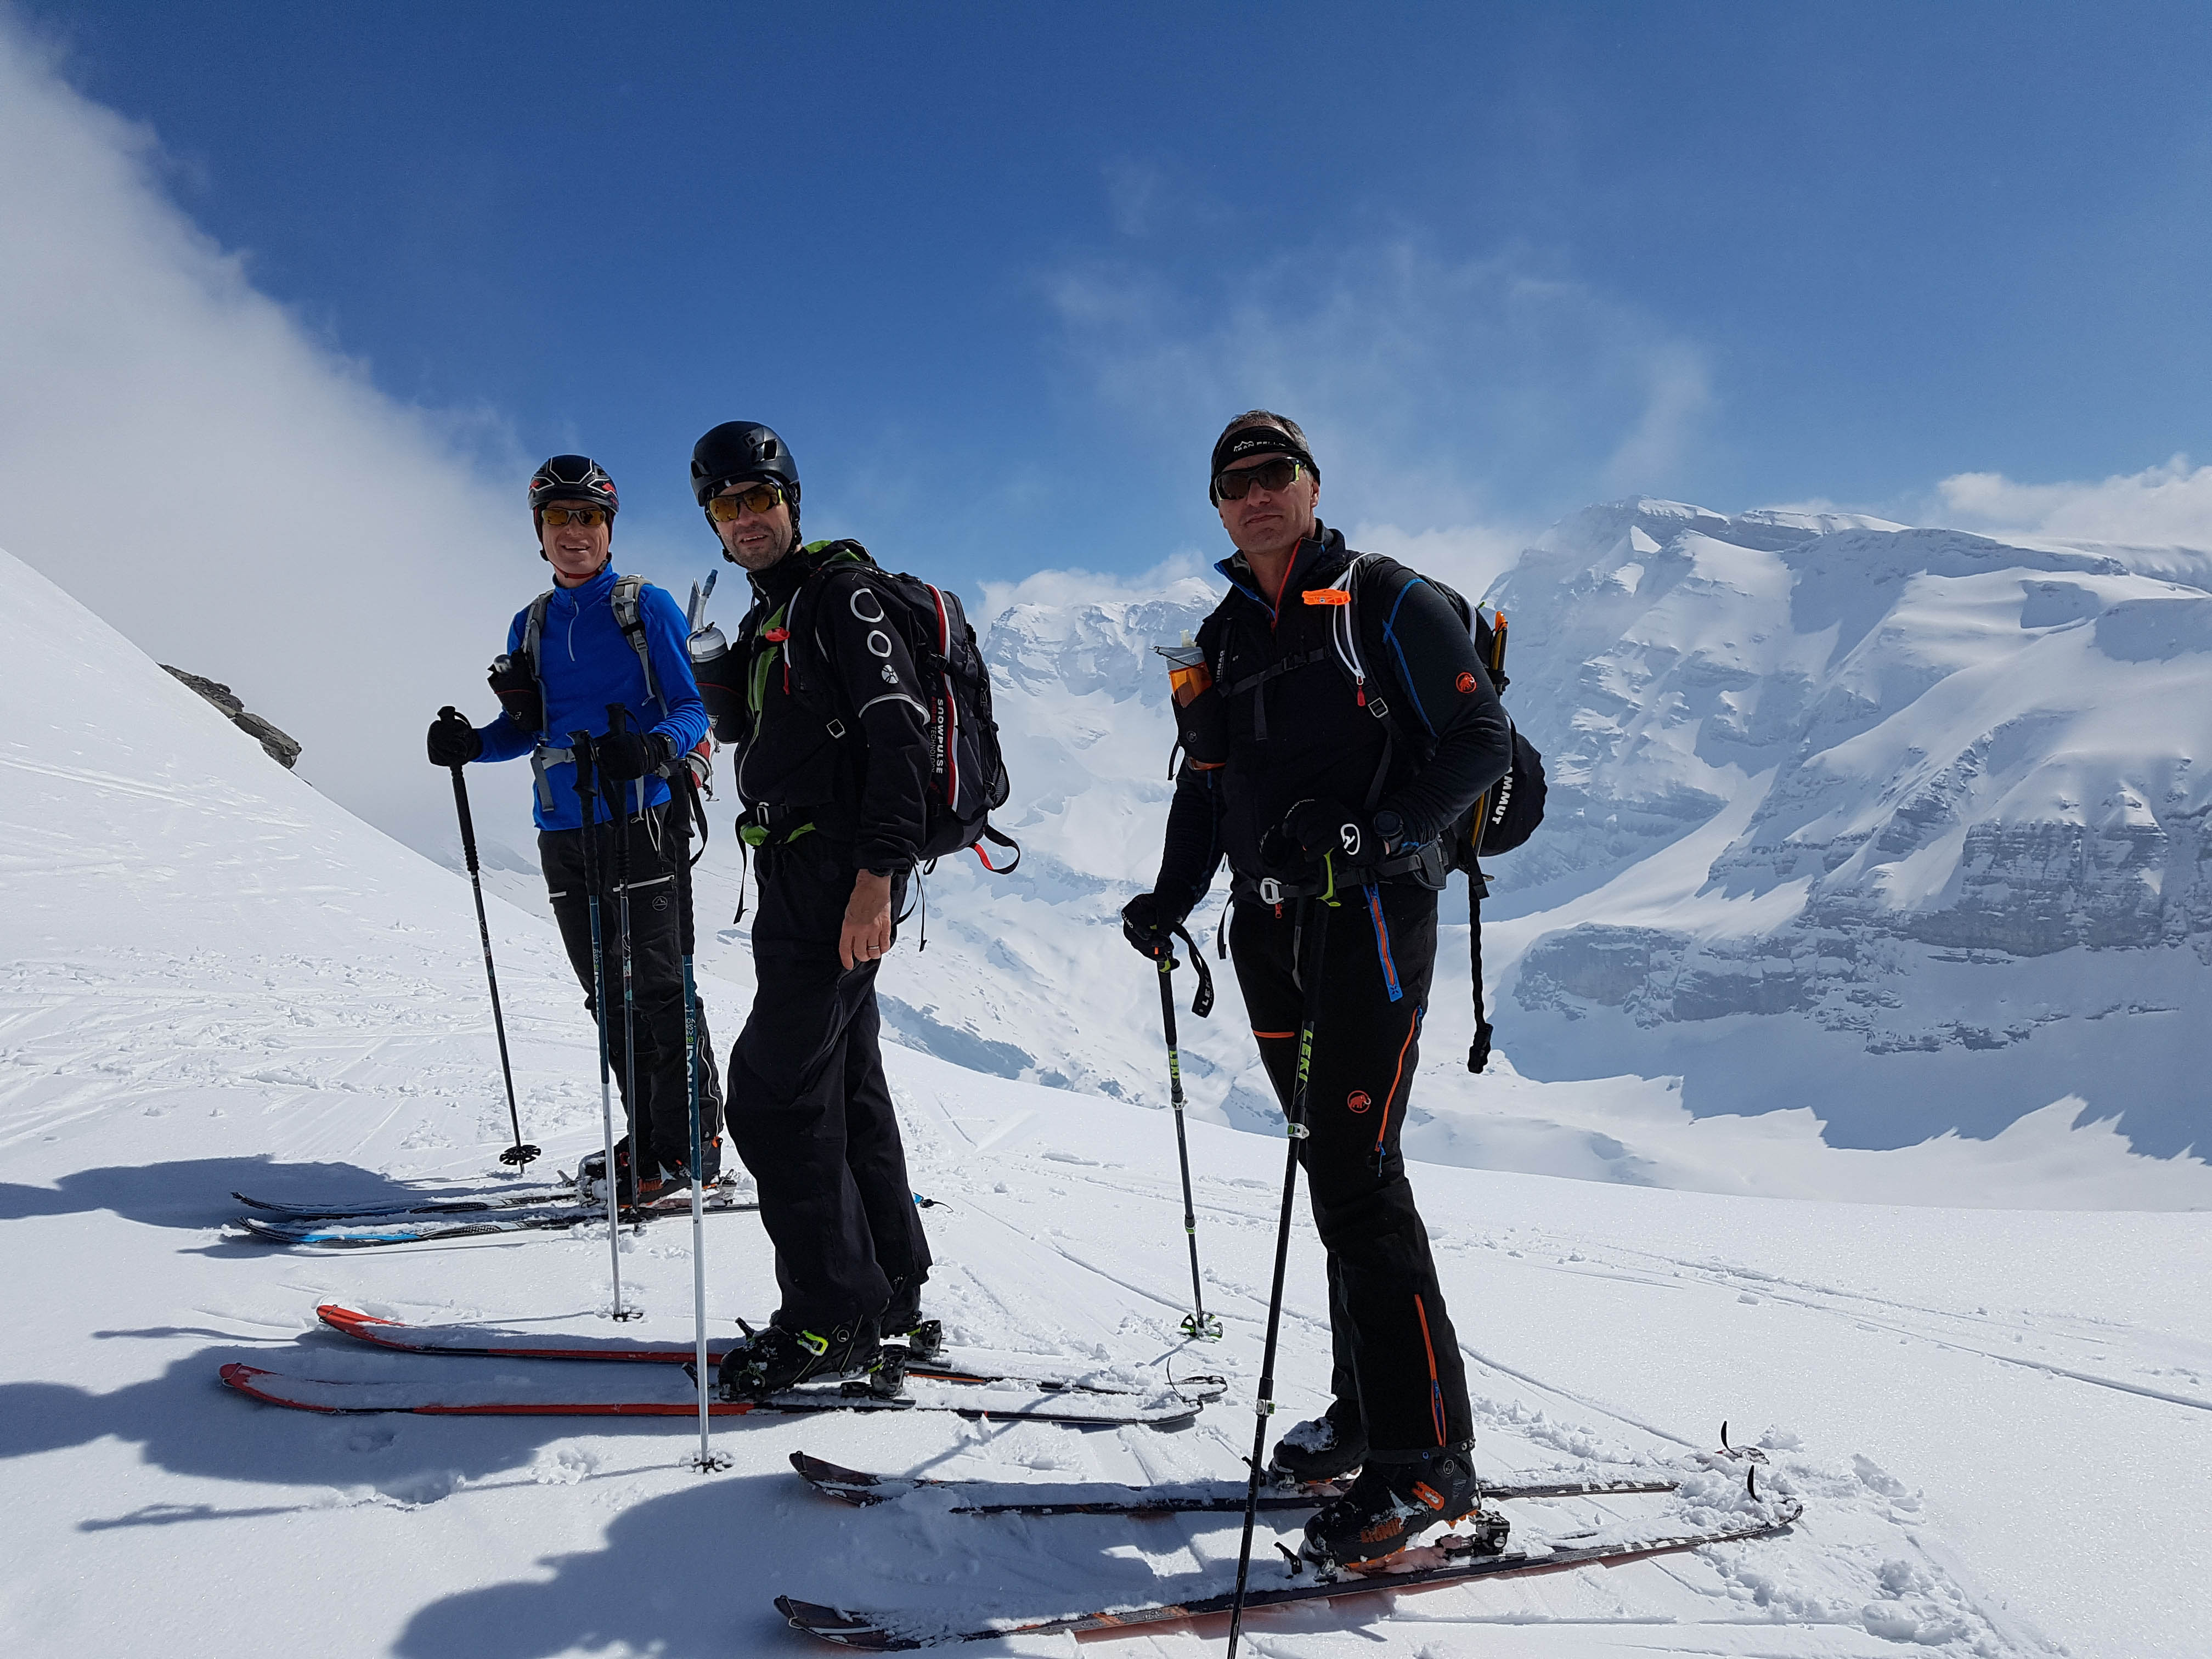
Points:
(571, 478)
(736, 451)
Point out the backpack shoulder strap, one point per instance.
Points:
(533, 634)
(841, 560)
(533, 627)
(629, 607)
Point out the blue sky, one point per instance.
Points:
(292, 296)
(998, 272)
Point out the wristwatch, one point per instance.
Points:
(1389, 828)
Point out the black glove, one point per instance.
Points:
(631, 753)
(1315, 828)
(453, 741)
(1148, 922)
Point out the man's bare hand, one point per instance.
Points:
(868, 931)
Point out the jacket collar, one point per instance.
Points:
(588, 593)
(788, 573)
(1327, 547)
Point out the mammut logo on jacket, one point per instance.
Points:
(1465, 682)
(1358, 1101)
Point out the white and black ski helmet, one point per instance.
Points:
(571, 478)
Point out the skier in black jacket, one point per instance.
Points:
(832, 761)
(1348, 723)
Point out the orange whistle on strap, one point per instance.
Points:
(1327, 596)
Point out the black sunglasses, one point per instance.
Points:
(1268, 475)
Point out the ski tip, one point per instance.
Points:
(835, 1624)
(244, 1378)
(817, 1468)
(339, 1317)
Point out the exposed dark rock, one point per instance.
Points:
(280, 746)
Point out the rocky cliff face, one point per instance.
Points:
(1906, 793)
(280, 746)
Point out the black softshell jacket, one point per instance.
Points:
(1299, 729)
(852, 670)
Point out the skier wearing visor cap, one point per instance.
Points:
(1341, 721)
(597, 638)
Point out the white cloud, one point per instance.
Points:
(1082, 588)
(1469, 556)
(1432, 388)
(1678, 392)
(2160, 506)
(183, 454)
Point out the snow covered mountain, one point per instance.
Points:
(217, 979)
(1905, 826)
(1876, 837)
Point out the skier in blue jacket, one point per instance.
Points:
(595, 639)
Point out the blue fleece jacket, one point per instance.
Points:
(588, 664)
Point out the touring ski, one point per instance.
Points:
(1447, 1561)
(354, 1232)
(667, 1391)
(1187, 1498)
(970, 1365)
(416, 1204)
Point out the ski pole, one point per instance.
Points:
(1200, 1325)
(615, 792)
(519, 1153)
(1314, 921)
(579, 747)
(685, 804)
(1477, 885)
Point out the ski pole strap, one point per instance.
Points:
(1202, 1003)
(1478, 1053)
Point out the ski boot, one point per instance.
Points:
(903, 1323)
(922, 1339)
(670, 1186)
(592, 1177)
(770, 1361)
(1330, 1447)
(1395, 1500)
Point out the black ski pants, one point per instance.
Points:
(660, 1115)
(809, 1110)
(1396, 1355)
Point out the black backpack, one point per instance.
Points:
(968, 773)
(1501, 819)
(1505, 817)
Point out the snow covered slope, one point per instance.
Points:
(1998, 1421)
(1904, 825)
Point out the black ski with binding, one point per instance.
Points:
(422, 1204)
(1191, 1497)
(368, 1230)
(1423, 1566)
